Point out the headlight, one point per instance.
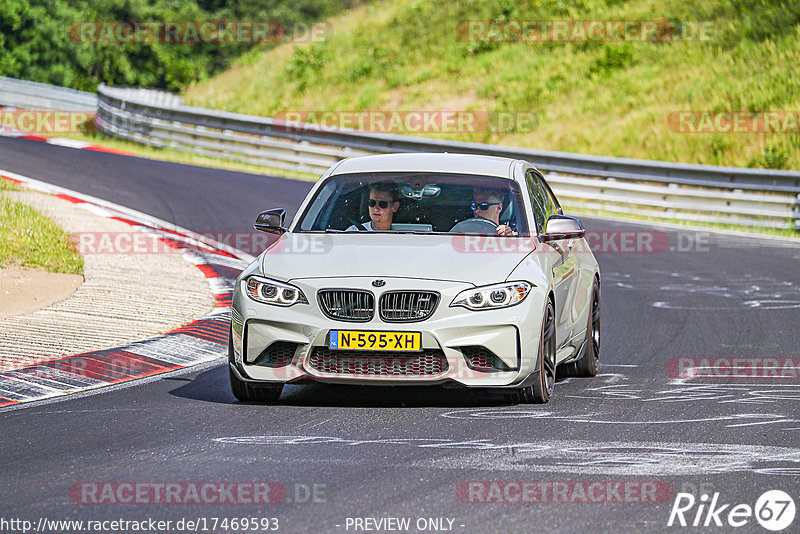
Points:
(493, 297)
(273, 292)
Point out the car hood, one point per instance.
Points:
(477, 260)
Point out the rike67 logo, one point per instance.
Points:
(774, 510)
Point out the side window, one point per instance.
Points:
(538, 201)
(518, 220)
(555, 207)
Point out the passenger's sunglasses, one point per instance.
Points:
(382, 203)
(482, 205)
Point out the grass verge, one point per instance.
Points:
(29, 239)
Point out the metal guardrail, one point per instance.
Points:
(33, 95)
(755, 197)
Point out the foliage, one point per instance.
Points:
(39, 39)
(610, 98)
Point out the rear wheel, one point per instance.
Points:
(540, 391)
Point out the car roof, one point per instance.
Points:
(428, 162)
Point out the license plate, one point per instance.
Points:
(366, 340)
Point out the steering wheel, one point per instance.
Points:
(359, 226)
(475, 225)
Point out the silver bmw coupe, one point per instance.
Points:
(413, 269)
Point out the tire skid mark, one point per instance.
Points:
(617, 458)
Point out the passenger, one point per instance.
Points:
(488, 204)
(384, 201)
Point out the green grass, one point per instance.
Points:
(593, 97)
(29, 239)
(6, 185)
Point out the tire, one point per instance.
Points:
(589, 364)
(540, 391)
(247, 392)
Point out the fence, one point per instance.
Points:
(754, 197)
(33, 95)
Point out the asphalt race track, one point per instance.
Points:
(339, 455)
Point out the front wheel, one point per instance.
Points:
(589, 364)
(540, 391)
(247, 392)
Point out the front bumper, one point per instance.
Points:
(512, 334)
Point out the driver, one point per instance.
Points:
(383, 203)
(488, 204)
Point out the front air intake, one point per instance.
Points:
(429, 362)
(482, 359)
(279, 354)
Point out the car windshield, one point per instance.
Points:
(415, 202)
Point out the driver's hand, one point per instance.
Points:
(504, 229)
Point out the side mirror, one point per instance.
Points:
(562, 227)
(271, 221)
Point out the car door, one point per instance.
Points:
(561, 259)
(577, 302)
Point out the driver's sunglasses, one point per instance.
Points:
(382, 203)
(483, 206)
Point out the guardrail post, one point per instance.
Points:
(796, 214)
